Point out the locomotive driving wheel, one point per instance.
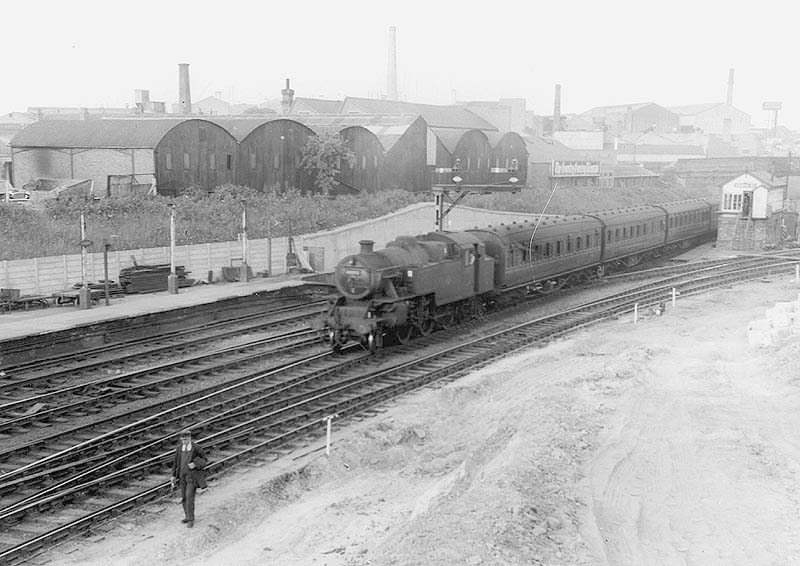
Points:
(403, 333)
(424, 321)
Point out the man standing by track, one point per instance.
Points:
(187, 469)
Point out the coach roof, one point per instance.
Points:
(114, 133)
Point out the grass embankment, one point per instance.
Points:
(142, 222)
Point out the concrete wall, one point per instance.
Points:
(46, 275)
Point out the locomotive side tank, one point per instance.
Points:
(407, 287)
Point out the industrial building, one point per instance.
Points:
(120, 155)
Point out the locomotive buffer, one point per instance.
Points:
(455, 191)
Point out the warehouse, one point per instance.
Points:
(119, 155)
(271, 155)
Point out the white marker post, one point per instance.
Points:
(674, 295)
(327, 420)
(636, 313)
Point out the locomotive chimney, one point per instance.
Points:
(366, 246)
(184, 93)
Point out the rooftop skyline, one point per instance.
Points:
(91, 53)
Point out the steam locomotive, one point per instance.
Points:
(419, 283)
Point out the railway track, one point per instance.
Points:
(109, 357)
(108, 474)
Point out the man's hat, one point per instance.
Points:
(185, 432)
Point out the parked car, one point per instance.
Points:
(10, 194)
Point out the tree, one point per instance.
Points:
(323, 155)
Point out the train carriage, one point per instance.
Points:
(689, 220)
(560, 246)
(630, 233)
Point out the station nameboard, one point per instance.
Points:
(576, 168)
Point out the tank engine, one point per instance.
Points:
(407, 288)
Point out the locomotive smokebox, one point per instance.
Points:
(366, 246)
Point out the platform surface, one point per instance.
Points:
(25, 322)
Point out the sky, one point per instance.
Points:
(95, 53)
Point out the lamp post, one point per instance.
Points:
(243, 272)
(84, 295)
(172, 278)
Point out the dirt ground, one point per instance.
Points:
(669, 442)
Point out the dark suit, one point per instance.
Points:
(190, 478)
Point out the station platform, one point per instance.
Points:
(34, 321)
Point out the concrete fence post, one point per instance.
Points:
(36, 284)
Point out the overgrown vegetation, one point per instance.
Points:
(142, 222)
(323, 155)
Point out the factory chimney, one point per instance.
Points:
(391, 78)
(557, 110)
(729, 99)
(184, 94)
(287, 98)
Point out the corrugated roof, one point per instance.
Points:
(625, 170)
(114, 133)
(318, 105)
(240, 128)
(693, 109)
(616, 109)
(542, 150)
(435, 116)
(449, 137)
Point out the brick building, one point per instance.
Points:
(753, 214)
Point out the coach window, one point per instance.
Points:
(512, 260)
(588, 241)
(558, 247)
(638, 230)
(644, 229)
(616, 234)
(569, 244)
(608, 236)
(524, 255)
(624, 232)
(578, 244)
(547, 249)
(252, 160)
(228, 161)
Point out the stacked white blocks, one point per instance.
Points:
(782, 322)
